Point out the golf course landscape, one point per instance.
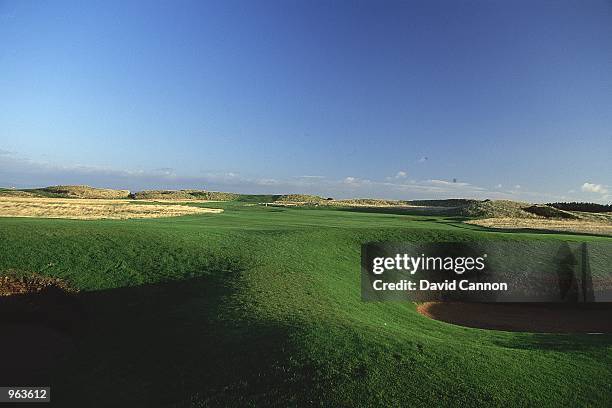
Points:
(261, 305)
(306, 203)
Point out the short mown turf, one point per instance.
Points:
(262, 306)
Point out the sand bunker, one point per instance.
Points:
(580, 226)
(524, 317)
(89, 209)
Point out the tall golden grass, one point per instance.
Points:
(581, 226)
(90, 209)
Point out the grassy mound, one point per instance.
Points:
(184, 195)
(368, 202)
(583, 207)
(299, 198)
(9, 192)
(78, 192)
(494, 209)
(453, 202)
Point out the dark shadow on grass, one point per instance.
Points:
(454, 219)
(152, 345)
(561, 342)
(395, 211)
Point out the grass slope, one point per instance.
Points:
(261, 305)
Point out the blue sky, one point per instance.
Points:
(510, 99)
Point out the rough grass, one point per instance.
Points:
(579, 226)
(505, 214)
(91, 209)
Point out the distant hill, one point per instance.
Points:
(452, 202)
(494, 209)
(456, 206)
(584, 207)
(81, 191)
(184, 195)
(550, 212)
(221, 196)
(511, 209)
(302, 198)
(10, 192)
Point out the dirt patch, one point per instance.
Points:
(580, 226)
(13, 285)
(88, 209)
(524, 317)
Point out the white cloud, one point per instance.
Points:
(594, 188)
(450, 184)
(399, 176)
(165, 171)
(22, 172)
(267, 182)
(355, 182)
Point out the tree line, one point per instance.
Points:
(579, 206)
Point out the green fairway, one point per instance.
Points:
(262, 305)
